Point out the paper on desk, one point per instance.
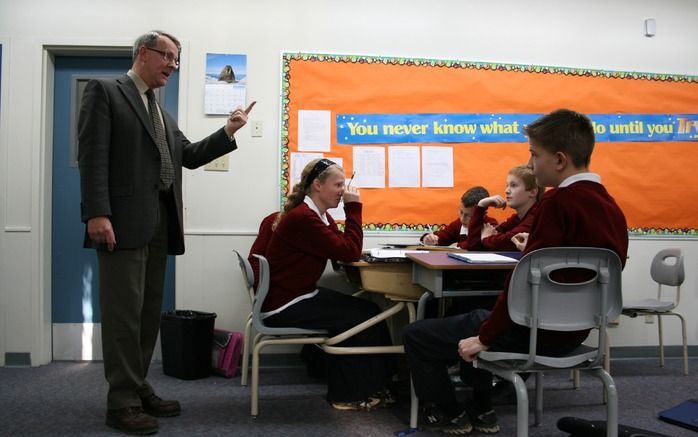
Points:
(392, 253)
(471, 257)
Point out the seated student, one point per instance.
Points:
(457, 230)
(522, 195)
(305, 238)
(578, 212)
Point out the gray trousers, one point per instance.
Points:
(131, 284)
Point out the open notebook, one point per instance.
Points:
(482, 257)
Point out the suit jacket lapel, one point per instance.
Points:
(130, 92)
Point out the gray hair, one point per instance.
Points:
(150, 39)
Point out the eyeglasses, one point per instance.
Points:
(167, 57)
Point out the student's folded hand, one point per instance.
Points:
(487, 230)
(520, 240)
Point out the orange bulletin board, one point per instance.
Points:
(647, 130)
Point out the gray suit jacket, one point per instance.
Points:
(120, 164)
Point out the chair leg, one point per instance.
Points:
(612, 404)
(246, 352)
(538, 414)
(414, 406)
(254, 396)
(521, 406)
(661, 340)
(685, 342)
(607, 355)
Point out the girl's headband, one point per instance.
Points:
(317, 170)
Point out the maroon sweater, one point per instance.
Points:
(300, 247)
(261, 243)
(501, 241)
(582, 214)
(451, 233)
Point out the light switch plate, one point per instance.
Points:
(257, 128)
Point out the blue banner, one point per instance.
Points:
(504, 128)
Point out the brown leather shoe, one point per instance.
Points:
(132, 420)
(157, 407)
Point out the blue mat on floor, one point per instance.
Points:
(577, 427)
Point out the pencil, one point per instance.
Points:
(352, 178)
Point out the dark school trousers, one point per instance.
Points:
(431, 346)
(350, 378)
(131, 286)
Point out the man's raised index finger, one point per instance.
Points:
(249, 108)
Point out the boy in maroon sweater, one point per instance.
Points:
(522, 195)
(457, 230)
(577, 212)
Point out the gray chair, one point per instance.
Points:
(667, 269)
(248, 282)
(267, 335)
(540, 302)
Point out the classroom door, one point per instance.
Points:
(74, 272)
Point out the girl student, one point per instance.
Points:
(522, 195)
(304, 239)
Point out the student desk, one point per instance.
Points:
(394, 281)
(443, 276)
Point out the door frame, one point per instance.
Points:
(49, 50)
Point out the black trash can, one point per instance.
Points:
(186, 338)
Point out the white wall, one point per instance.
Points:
(224, 209)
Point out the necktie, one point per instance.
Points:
(166, 167)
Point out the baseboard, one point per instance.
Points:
(82, 342)
(651, 351)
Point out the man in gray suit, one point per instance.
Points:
(131, 154)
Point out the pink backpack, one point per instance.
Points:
(225, 356)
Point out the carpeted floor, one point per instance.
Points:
(68, 399)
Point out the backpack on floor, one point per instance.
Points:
(225, 354)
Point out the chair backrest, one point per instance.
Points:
(537, 300)
(247, 275)
(260, 296)
(667, 273)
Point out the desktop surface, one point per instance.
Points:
(441, 261)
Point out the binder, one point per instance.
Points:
(685, 414)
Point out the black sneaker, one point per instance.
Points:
(485, 423)
(434, 419)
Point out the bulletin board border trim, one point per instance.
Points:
(288, 57)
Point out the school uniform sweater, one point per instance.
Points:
(261, 243)
(501, 241)
(452, 232)
(300, 247)
(582, 214)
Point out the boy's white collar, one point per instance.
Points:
(308, 201)
(587, 176)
